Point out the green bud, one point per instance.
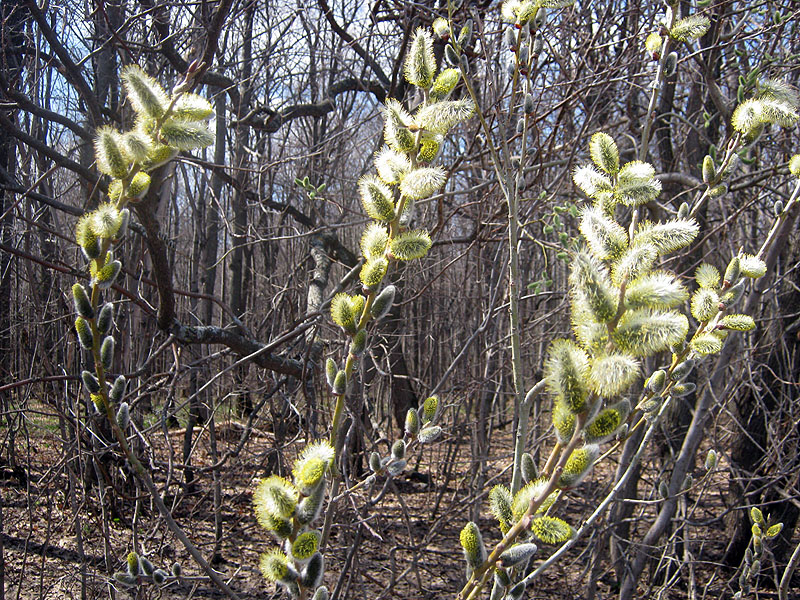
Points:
(777, 208)
(412, 422)
(330, 371)
(670, 64)
(118, 389)
(340, 383)
(429, 409)
(83, 305)
(709, 171)
(107, 352)
(147, 566)
(108, 152)
(516, 592)
(177, 570)
(683, 210)
(383, 302)
(774, 531)
(680, 390)
(663, 490)
(395, 467)
(124, 416)
(321, 593)
(105, 320)
(517, 554)
(657, 381)
(359, 343)
(159, 576)
(375, 462)
(682, 370)
(310, 507)
(312, 574)
(528, 468)
(733, 271)
(84, 332)
(399, 449)
(105, 277)
(758, 517)
(688, 481)
(90, 381)
(429, 434)
(711, 460)
(733, 295)
(125, 579)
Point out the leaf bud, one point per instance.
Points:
(755, 568)
(733, 272)
(124, 578)
(412, 422)
(732, 296)
(717, 190)
(657, 381)
(147, 566)
(321, 593)
(520, 125)
(774, 531)
(312, 574)
(118, 389)
(383, 302)
(679, 390)
(395, 467)
(430, 408)
(682, 370)
(450, 56)
(663, 490)
(429, 434)
(340, 383)
(502, 578)
(516, 592)
(375, 462)
(528, 467)
(528, 104)
(159, 576)
(330, 371)
(177, 570)
(105, 320)
(517, 554)
(670, 64)
(359, 343)
(84, 332)
(465, 36)
(90, 381)
(83, 306)
(124, 221)
(105, 277)
(510, 38)
(709, 171)
(683, 210)
(107, 352)
(124, 416)
(711, 460)
(777, 208)
(399, 449)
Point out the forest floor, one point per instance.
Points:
(407, 538)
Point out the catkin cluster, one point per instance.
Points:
(405, 174)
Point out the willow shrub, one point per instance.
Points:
(624, 306)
